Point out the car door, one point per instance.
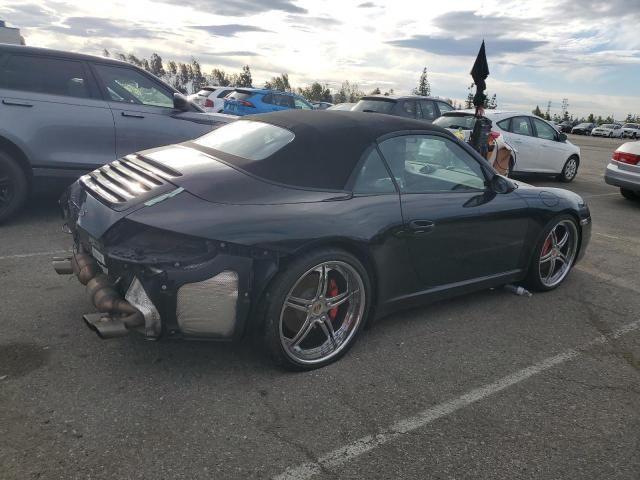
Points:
(456, 229)
(552, 154)
(143, 110)
(518, 132)
(52, 108)
(428, 110)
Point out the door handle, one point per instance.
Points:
(16, 104)
(132, 115)
(421, 226)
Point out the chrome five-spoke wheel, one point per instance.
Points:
(558, 253)
(321, 313)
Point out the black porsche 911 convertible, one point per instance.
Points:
(302, 226)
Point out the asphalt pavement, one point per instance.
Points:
(487, 386)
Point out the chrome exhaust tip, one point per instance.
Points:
(62, 266)
(105, 326)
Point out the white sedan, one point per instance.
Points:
(611, 130)
(211, 98)
(537, 146)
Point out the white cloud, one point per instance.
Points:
(554, 48)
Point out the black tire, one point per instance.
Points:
(569, 170)
(273, 308)
(533, 281)
(629, 194)
(13, 187)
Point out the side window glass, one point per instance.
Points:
(444, 107)
(224, 93)
(425, 164)
(504, 125)
(373, 178)
(409, 107)
(125, 85)
(268, 99)
(521, 126)
(45, 75)
(428, 110)
(302, 104)
(543, 130)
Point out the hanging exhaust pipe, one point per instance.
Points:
(117, 315)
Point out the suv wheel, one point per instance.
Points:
(13, 187)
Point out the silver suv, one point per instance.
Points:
(63, 114)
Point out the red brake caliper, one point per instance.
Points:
(332, 291)
(546, 248)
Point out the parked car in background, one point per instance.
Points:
(631, 130)
(211, 98)
(63, 114)
(583, 128)
(413, 106)
(566, 126)
(342, 106)
(301, 227)
(249, 101)
(321, 105)
(538, 147)
(612, 130)
(623, 170)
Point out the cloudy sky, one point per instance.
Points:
(586, 51)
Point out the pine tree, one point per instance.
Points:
(537, 112)
(375, 91)
(155, 64)
(220, 78)
(244, 79)
(423, 88)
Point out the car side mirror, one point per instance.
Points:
(562, 137)
(181, 103)
(501, 185)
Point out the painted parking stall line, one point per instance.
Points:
(362, 445)
(33, 254)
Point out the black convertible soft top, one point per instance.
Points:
(327, 145)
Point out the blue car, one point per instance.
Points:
(248, 101)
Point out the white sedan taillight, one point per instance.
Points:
(624, 157)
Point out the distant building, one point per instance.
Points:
(10, 35)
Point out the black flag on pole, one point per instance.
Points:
(479, 73)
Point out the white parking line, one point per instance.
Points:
(34, 254)
(362, 445)
(605, 277)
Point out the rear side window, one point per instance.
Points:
(267, 99)
(504, 124)
(45, 75)
(373, 177)
(247, 140)
(379, 106)
(410, 107)
(521, 126)
(224, 93)
(239, 95)
(283, 101)
(428, 109)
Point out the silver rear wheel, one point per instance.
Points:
(321, 313)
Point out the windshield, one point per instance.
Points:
(248, 140)
(379, 106)
(630, 125)
(465, 122)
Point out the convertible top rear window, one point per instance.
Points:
(248, 140)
